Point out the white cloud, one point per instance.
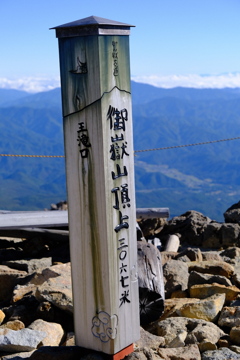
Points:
(231, 80)
(30, 84)
(38, 84)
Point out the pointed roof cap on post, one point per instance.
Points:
(92, 25)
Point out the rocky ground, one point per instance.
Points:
(201, 319)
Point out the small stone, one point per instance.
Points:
(199, 331)
(190, 226)
(151, 227)
(20, 291)
(235, 335)
(206, 333)
(223, 343)
(230, 316)
(178, 341)
(235, 349)
(58, 289)
(231, 252)
(172, 305)
(205, 290)
(236, 279)
(183, 258)
(212, 267)
(196, 278)
(175, 274)
(54, 332)
(207, 345)
(220, 354)
(70, 339)
(189, 352)
(31, 265)
(211, 256)
(21, 340)
(192, 254)
(207, 309)
(212, 235)
(229, 235)
(13, 325)
(149, 340)
(138, 355)
(232, 214)
(170, 327)
(8, 279)
(166, 256)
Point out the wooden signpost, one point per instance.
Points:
(97, 115)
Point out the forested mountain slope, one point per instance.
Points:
(204, 178)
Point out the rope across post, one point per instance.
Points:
(135, 151)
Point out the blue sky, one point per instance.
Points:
(175, 42)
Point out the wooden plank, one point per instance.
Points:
(29, 233)
(19, 219)
(151, 213)
(59, 218)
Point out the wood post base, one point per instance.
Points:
(121, 354)
(80, 351)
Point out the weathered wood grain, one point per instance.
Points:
(19, 219)
(59, 218)
(102, 223)
(150, 281)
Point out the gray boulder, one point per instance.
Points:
(230, 316)
(21, 340)
(198, 331)
(30, 265)
(217, 235)
(191, 254)
(230, 235)
(57, 289)
(200, 278)
(235, 348)
(149, 340)
(54, 332)
(190, 226)
(8, 279)
(221, 354)
(232, 214)
(212, 235)
(175, 274)
(181, 353)
(198, 230)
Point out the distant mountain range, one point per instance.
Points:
(205, 178)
